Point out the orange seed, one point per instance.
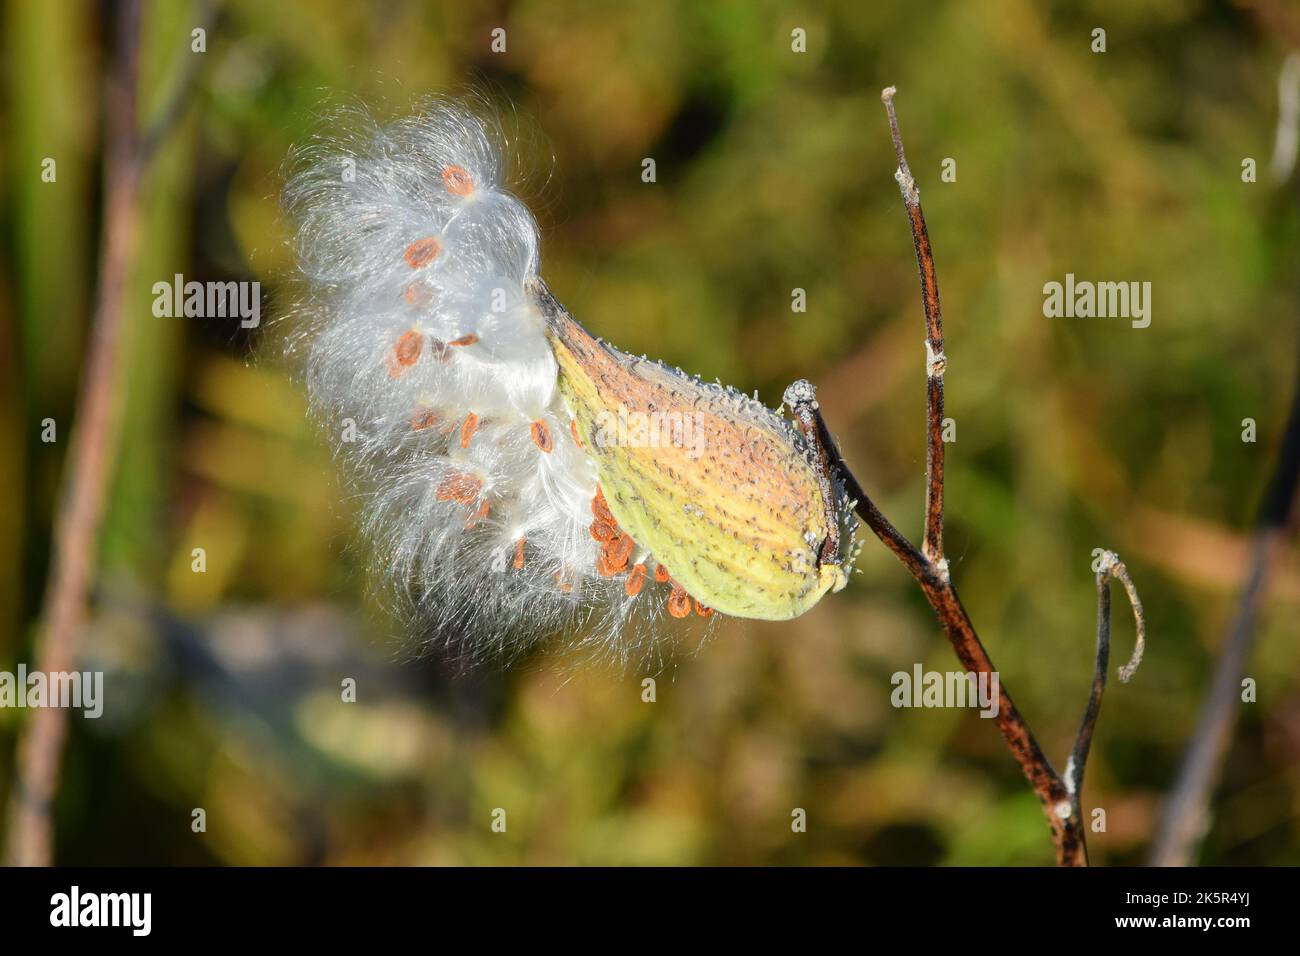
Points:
(635, 580)
(600, 508)
(421, 252)
(614, 555)
(619, 550)
(679, 602)
(459, 487)
(467, 429)
(541, 435)
(405, 352)
(458, 180)
(602, 566)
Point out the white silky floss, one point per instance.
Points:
(473, 489)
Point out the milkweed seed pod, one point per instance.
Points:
(516, 476)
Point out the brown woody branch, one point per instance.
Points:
(1060, 794)
(90, 459)
(93, 453)
(935, 362)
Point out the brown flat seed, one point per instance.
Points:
(661, 574)
(541, 435)
(600, 508)
(423, 418)
(439, 350)
(603, 530)
(635, 581)
(519, 554)
(619, 550)
(459, 487)
(468, 338)
(421, 252)
(467, 429)
(566, 585)
(573, 429)
(679, 602)
(405, 352)
(458, 180)
(703, 610)
(611, 561)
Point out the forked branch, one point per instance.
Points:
(1060, 794)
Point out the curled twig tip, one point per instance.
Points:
(1139, 619)
(1112, 567)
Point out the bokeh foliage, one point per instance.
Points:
(774, 173)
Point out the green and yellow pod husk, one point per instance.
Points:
(730, 504)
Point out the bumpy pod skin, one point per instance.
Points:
(737, 515)
(465, 404)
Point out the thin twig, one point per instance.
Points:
(93, 454)
(801, 397)
(935, 361)
(1060, 795)
(904, 550)
(1109, 568)
(91, 458)
(1185, 818)
(1074, 767)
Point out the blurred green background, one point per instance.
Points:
(774, 173)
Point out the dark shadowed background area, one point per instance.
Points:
(774, 173)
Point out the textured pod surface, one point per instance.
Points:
(715, 484)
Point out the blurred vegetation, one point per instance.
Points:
(774, 172)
